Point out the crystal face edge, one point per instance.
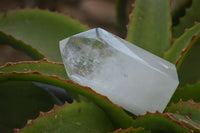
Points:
(130, 46)
(134, 107)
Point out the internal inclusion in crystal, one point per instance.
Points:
(128, 75)
(88, 56)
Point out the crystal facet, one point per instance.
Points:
(128, 75)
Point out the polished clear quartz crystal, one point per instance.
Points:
(128, 75)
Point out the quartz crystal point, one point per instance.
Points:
(129, 76)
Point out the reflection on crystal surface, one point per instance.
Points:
(128, 75)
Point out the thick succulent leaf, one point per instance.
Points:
(22, 100)
(159, 123)
(189, 63)
(81, 117)
(181, 43)
(150, 25)
(192, 15)
(28, 49)
(47, 68)
(178, 9)
(115, 113)
(186, 121)
(44, 66)
(41, 29)
(132, 130)
(187, 92)
(186, 112)
(121, 13)
(53, 74)
(189, 108)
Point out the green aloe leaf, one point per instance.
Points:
(187, 92)
(178, 9)
(47, 68)
(41, 29)
(20, 101)
(75, 118)
(189, 63)
(150, 25)
(17, 44)
(187, 122)
(44, 67)
(116, 114)
(186, 112)
(122, 18)
(192, 15)
(132, 130)
(181, 43)
(159, 123)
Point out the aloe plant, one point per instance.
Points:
(27, 107)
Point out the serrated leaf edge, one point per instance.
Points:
(28, 45)
(185, 122)
(191, 102)
(41, 114)
(45, 60)
(184, 51)
(57, 78)
(129, 19)
(182, 17)
(178, 121)
(174, 39)
(36, 76)
(124, 130)
(187, 85)
(179, 19)
(166, 115)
